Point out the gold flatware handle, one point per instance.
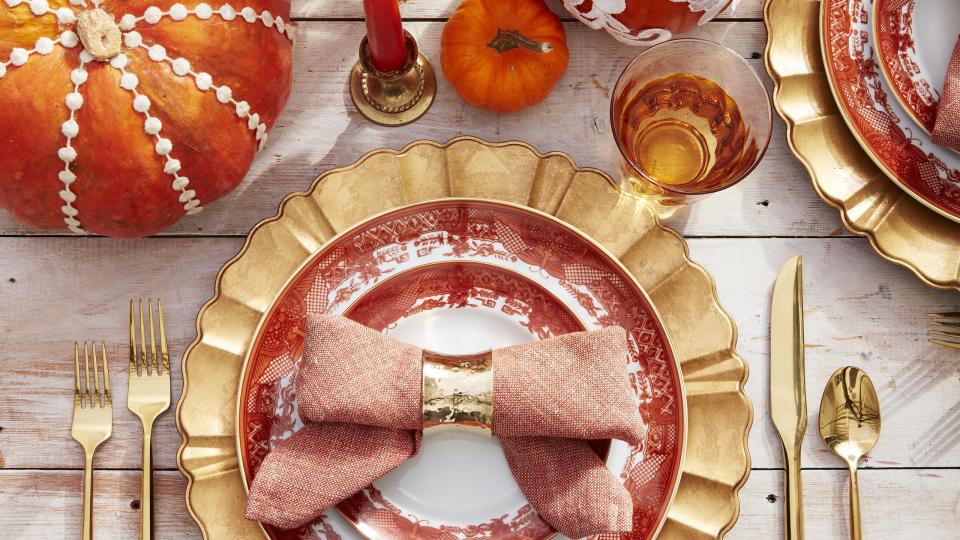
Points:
(146, 484)
(86, 532)
(793, 493)
(855, 532)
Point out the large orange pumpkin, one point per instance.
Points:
(646, 22)
(503, 55)
(119, 117)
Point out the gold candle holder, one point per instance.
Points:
(393, 98)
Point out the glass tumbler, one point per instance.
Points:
(690, 117)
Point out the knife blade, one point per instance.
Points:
(788, 401)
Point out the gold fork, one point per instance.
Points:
(938, 328)
(148, 396)
(92, 420)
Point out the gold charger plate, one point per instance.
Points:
(717, 459)
(899, 228)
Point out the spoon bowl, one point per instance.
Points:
(850, 426)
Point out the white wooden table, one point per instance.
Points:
(860, 310)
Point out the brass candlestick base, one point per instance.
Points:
(394, 98)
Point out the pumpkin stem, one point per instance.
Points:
(511, 39)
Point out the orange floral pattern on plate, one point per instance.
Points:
(897, 53)
(901, 149)
(454, 255)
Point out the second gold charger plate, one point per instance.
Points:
(717, 459)
(900, 229)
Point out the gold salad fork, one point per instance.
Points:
(939, 329)
(92, 419)
(148, 396)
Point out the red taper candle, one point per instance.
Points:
(386, 43)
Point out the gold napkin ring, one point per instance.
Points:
(458, 389)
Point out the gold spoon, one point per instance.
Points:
(850, 426)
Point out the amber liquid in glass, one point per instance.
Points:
(684, 132)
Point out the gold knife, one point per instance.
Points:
(788, 398)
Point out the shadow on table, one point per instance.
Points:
(915, 379)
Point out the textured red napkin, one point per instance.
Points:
(361, 394)
(946, 129)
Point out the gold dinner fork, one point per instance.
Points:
(92, 420)
(939, 328)
(148, 396)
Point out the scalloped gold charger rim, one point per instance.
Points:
(900, 229)
(714, 370)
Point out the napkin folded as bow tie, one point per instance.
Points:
(360, 394)
(946, 128)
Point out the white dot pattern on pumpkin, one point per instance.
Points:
(19, 56)
(152, 126)
(65, 15)
(178, 12)
(132, 39)
(127, 22)
(162, 146)
(603, 16)
(39, 7)
(69, 39)
(203, 11)
(42, 46)
(224, 94)
(68, 154)
(180, 66)
(73, 101)
(119, 61)
(156, 52)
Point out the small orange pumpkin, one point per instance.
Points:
(503, 55)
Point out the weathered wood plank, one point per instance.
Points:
(320, 130)
(55, 291)
(895, 504)
(431, 9)
(860, 310)
(47, 504)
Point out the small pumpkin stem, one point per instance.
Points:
(511, 39)
(99, 34)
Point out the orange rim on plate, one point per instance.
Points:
(456, 254)
(913, 48)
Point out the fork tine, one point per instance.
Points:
(951, 324)
(945, 315)
(96, 378)
(943, 333)
(107, 394)
(153, 339)
(164, 356)
(133, 344)
(143, 343)
(86, 375)
(952, 344)
(76, 374)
